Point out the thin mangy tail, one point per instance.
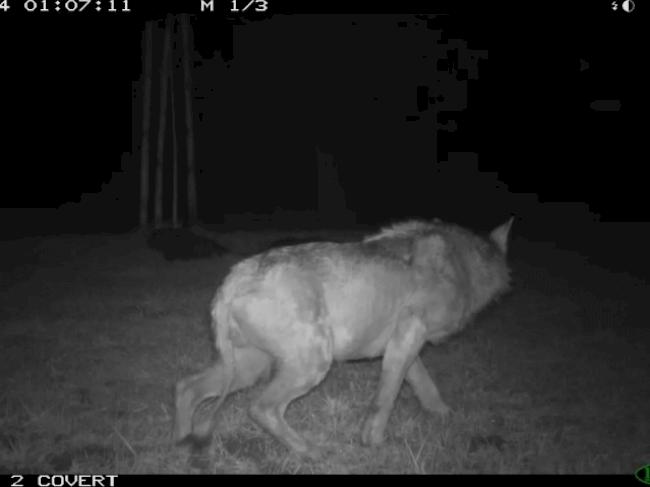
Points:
(221, 322)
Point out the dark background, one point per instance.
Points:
(358, 85)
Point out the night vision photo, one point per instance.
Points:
(303, 238)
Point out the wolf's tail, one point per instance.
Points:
(221, 324)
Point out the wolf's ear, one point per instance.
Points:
(500, 235)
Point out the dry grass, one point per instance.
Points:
(94, 331)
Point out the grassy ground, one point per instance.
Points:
(95, 331)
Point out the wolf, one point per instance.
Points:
(294, 310)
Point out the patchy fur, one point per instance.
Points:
(294, 310)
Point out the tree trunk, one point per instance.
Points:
(146, 116)
(175, 222)
(189, 125)
(162, 120)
